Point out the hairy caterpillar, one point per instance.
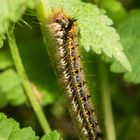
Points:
(67, 60)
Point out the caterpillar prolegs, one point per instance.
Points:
(67, 59)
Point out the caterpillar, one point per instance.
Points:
(68, 62)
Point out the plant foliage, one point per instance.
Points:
(129, 31)
(10, 130)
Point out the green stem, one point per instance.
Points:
(106, 99)
(26, 83)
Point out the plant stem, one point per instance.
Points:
(106, 99)
(26, 83)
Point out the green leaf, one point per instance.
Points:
(9, 84)
(5, 60)
(95, 28)
(12, 11)
(10, 130)
(2, 37)
(130, 38)
(54, 135)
